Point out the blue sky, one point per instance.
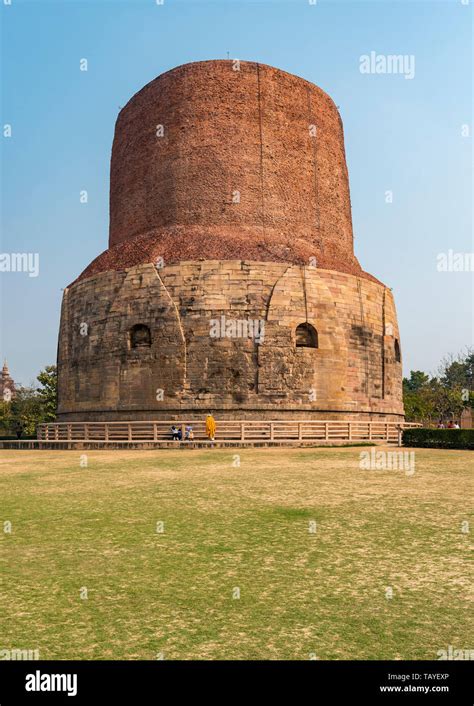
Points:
(401, 135)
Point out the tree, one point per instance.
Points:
(5, 416)
(419, 405)
(416, 381)
(31, 405)
(443, 396)
(458, 373)
(48, 393)
(26, 412)
(447, 403)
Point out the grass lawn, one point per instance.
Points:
(303, 594)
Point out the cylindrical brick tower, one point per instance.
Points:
(230, 281)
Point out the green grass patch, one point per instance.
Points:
(164, 542)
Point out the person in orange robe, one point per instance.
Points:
(210, 427)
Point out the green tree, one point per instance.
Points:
(5, 416)
(31, 405)
(48, 392)
(443, 396)
(458, 373)
(416, 381)
(419, 406)
(447, 402)
(26, 412)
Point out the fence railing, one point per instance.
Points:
(227, 430)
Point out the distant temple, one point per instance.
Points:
(7, 384)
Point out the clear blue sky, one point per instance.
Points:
(401, 135)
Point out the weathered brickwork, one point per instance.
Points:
(229, 207)
(213, 163)
(353, 372)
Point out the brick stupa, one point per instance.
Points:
(229, 203)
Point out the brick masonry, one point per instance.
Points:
(277, 140)
(274, 138)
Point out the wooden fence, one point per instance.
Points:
(227, 430)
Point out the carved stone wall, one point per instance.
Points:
(209, 349)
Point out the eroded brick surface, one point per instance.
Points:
(274, 138)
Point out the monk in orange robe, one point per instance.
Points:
(210, 427)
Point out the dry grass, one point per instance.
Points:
(226, 526)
